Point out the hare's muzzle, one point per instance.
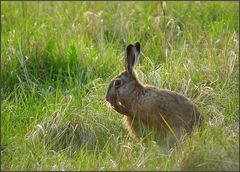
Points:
(108, 98)
(111, 100)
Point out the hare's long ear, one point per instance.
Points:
(132, 56)
(137, 52)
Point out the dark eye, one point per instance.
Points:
(117, 82)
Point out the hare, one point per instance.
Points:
(167, 112)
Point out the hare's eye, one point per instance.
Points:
(117, 83)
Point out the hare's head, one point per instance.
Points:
(125, 83)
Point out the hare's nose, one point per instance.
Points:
(108, 98)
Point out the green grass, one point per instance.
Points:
(59, 57)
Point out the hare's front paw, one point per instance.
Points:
(120, 109)
(114, 103)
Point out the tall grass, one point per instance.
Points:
(59, 57)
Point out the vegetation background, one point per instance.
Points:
(59, 57)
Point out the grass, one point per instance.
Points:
(57, 62)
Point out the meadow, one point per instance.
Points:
(57, 59)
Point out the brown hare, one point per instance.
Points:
(167, 112)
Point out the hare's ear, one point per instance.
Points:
(137, 52)
(132, 56)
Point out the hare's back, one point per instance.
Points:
(172, 105)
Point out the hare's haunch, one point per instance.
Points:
(157, 109)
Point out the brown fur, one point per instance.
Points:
(161, 110)
(153, 106)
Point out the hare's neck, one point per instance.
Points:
(132, 98)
